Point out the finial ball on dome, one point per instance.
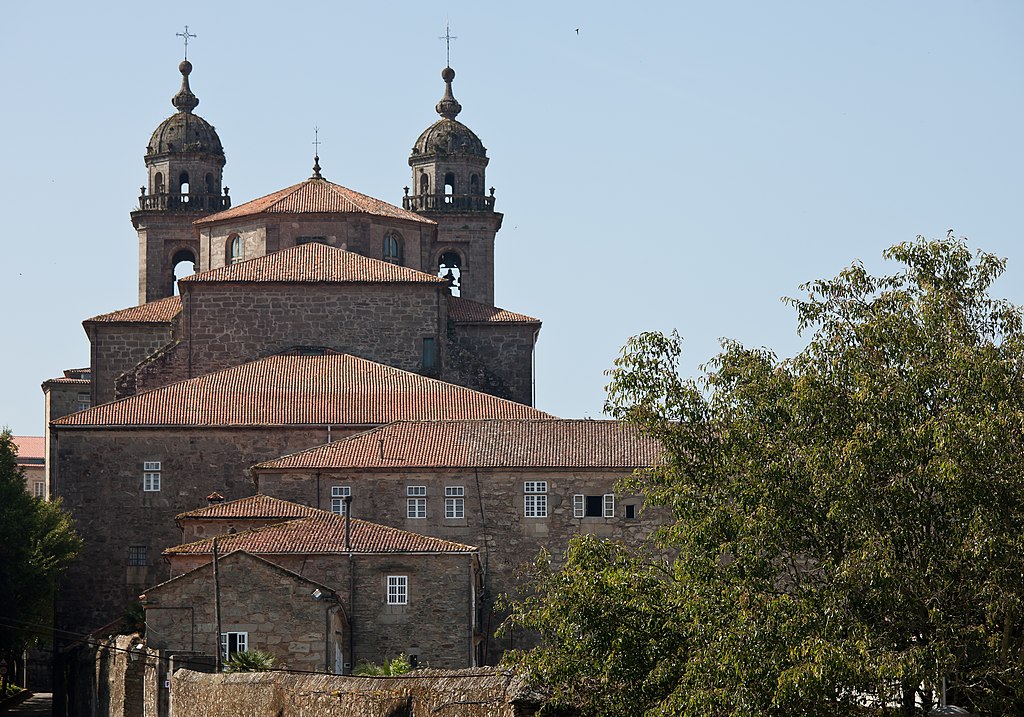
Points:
(185, 67)
(447, 74)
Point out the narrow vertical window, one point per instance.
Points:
(151, 476)
(338, 495)
(392, 249)
(416, 502)
(398, 589)
(609, 505)
(454, 501)
(234, 249)
(39, 489)
(429, 354)
(579, 506)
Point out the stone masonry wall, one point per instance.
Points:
(227, 324)
(116, 348)
(506, 350)
(99, 475)
(494, 519)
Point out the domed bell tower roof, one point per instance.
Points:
(447, 135)
(185, 132)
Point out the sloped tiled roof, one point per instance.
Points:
(315, 196)
(155, 312)
(31, 449)
(315, 263)
(239, 556)
(553, 443)
(336, 389)
(66, 381)
(322, 533)
(253, 506)
(464, 311)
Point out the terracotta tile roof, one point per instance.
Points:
(315, 196)
(160, 311)
(464, 311)
(77, 372)
(315, 263)
(31, 449)
(333, 390)
(322, 533)
(253, 506)
(64, 380)
(552, 443)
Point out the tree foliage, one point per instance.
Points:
(394, 667)
(37, 541)
(250, 661)
(848, 524)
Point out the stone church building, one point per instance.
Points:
(321, 325)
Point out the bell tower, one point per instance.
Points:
(184, 163)
(448, 178)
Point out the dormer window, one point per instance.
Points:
(392, 248)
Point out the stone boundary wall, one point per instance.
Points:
(453, 693)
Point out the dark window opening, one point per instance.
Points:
(594, 506)
(184, 264)
(449, 187)
(392, 249)
(630, 512)
(474, 184)
(137, 555)
(183, 186)
(449, 267)
(424, 184)
(429, 354)
(158, 183)
(209, 184)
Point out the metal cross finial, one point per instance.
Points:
(185, 35)
(448, 37)
(316, 139)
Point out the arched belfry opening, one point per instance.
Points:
(183, 186)
(183, 264)
(449, 267)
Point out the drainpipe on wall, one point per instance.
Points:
(351, 586)
(216, 607)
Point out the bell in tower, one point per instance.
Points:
(448, 178)
(184, 164)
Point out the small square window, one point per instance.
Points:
(233, 642)
(137, 555)
(84, 401)
(416, 508)
(630, 512)
(398, 589)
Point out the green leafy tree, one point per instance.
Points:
(389, 668)
(250, 661)
(848, 524)
(37, 541)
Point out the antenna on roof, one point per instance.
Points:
(447, 37)
(185, 35)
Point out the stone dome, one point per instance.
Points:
(185, 132)
(448, 136)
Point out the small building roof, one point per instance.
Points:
(464, 311)
(31, 450)
(337, 390)
(322, 533)
(314, 263)
(160, 311)
(316, 195)
(489, 443)
(253, 506)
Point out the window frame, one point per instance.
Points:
(454, 502)
(138, 556)
(397, 590)
(152, 476)
(580, 507)
(241, 643)
(416, 502)
(39, 489)
(391, 251)
(338, 495)
(535, 499)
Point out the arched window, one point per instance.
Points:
(392, 248)
(158, 183)
(234, 253)
(449, 187)
(183, 186)
(449, 266)
(209, 184)
(424, 184)
(183, 264)
(474, 184)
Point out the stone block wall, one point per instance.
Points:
(116, 348)
(503, 350)
(99, 475)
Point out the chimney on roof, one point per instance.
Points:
(348, 522)
(214, 498)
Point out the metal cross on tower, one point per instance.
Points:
(448, 37)
(316, 140)
(185, 35)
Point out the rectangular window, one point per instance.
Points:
(398, 589)
(630, 512)
(151, 476)
(593, 506)
(416, 504)
(84, 401)
(137, 555)
(232, 642)
(429, 354)
(39, 489)
(454, 501)
(535, 502)
(338, 495)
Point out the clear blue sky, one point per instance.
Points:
(672, 165)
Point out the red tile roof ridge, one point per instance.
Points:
(323, 533)
(153, 312)
(314, 263)
(465, 311)
(333, 389)
(542, 442)
(315, 196)
(258, 505)
(66, 380)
